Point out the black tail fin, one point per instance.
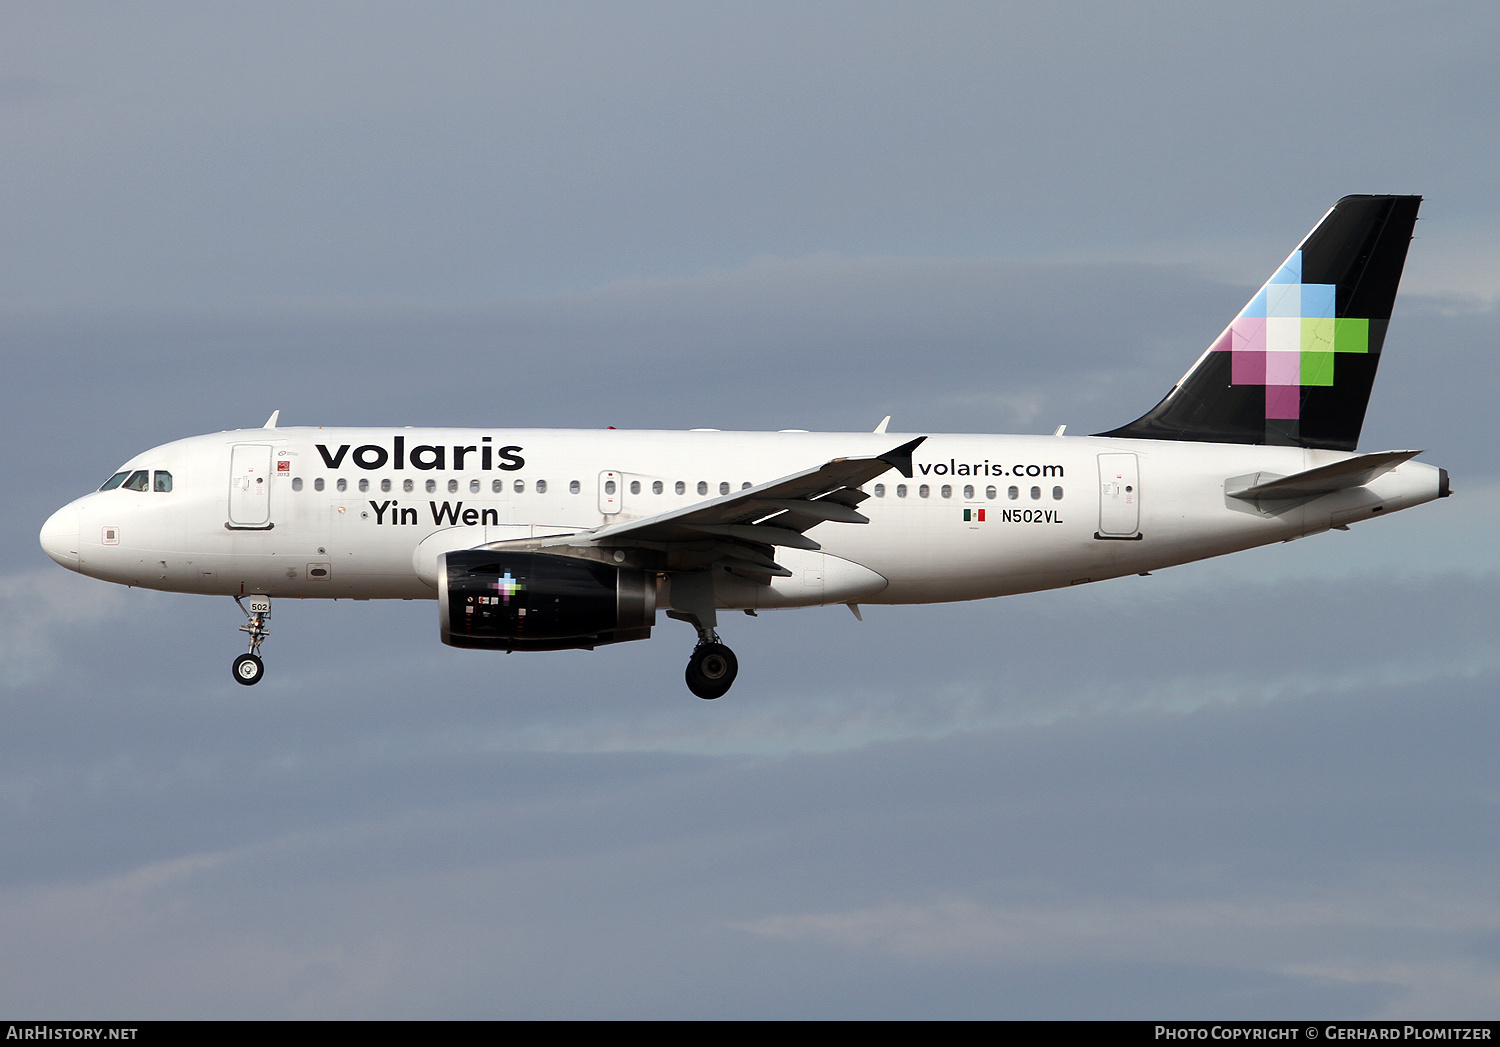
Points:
(1297, 365)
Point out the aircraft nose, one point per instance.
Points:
(60, 537)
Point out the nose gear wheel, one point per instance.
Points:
(248, 669)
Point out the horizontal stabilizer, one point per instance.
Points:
(1326, 479)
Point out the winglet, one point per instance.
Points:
(900, 457)
(883, 423)
(271, 421)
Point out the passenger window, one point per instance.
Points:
(1013, 493)
(385, 485)
(296, 482)
(924, 490)
(114, 481)
(900, 490)
(1036, 494)
(947, 491)
(408, 485)
(364, 485)
(343, 485)
(635, 487)
(680, 487)
(609, 487)
(163, 484)
(452, 486)
(431, 487)
(990, 493)
(541, 487)
(968, 490)
(138, 481)
(520, 487)
(656, 487)
(1057, 494)
(880, 490)
(702, 486)
(318, 484)
(574, 486)
(745, 486)
(724, 487)
(497, 486)
(473, 486)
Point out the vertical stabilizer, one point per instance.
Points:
(1297, 365)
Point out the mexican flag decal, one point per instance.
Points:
(974, 514)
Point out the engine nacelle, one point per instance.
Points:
(521, 601)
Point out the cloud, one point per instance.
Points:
(41, 613)
(1399, 928)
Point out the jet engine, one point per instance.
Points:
(527, 601)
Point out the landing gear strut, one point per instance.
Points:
(712, 667)
(248, 668)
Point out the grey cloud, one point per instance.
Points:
(1177, 857)
(42, 611)
(236, 156)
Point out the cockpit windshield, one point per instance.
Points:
(139, 480)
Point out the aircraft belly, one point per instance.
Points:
(817, 578)
(929, 557)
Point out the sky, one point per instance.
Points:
(1260, 786)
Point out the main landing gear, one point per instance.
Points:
(711, 668)
(248, 668)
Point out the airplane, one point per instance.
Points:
(541, 540)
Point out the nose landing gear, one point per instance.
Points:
(248, 668)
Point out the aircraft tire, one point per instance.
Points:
(248, 669)
(711, 670)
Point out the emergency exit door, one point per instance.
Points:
(609, 492)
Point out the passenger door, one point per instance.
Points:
(250, 487)
(1119, 496)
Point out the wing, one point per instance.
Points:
(742, 529)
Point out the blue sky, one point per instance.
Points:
(1258, 786)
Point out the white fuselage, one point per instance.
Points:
(364, 513)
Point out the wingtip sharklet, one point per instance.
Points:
(899, 458)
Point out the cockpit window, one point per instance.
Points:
(114, 481)
(139, 481)
(163, 481)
